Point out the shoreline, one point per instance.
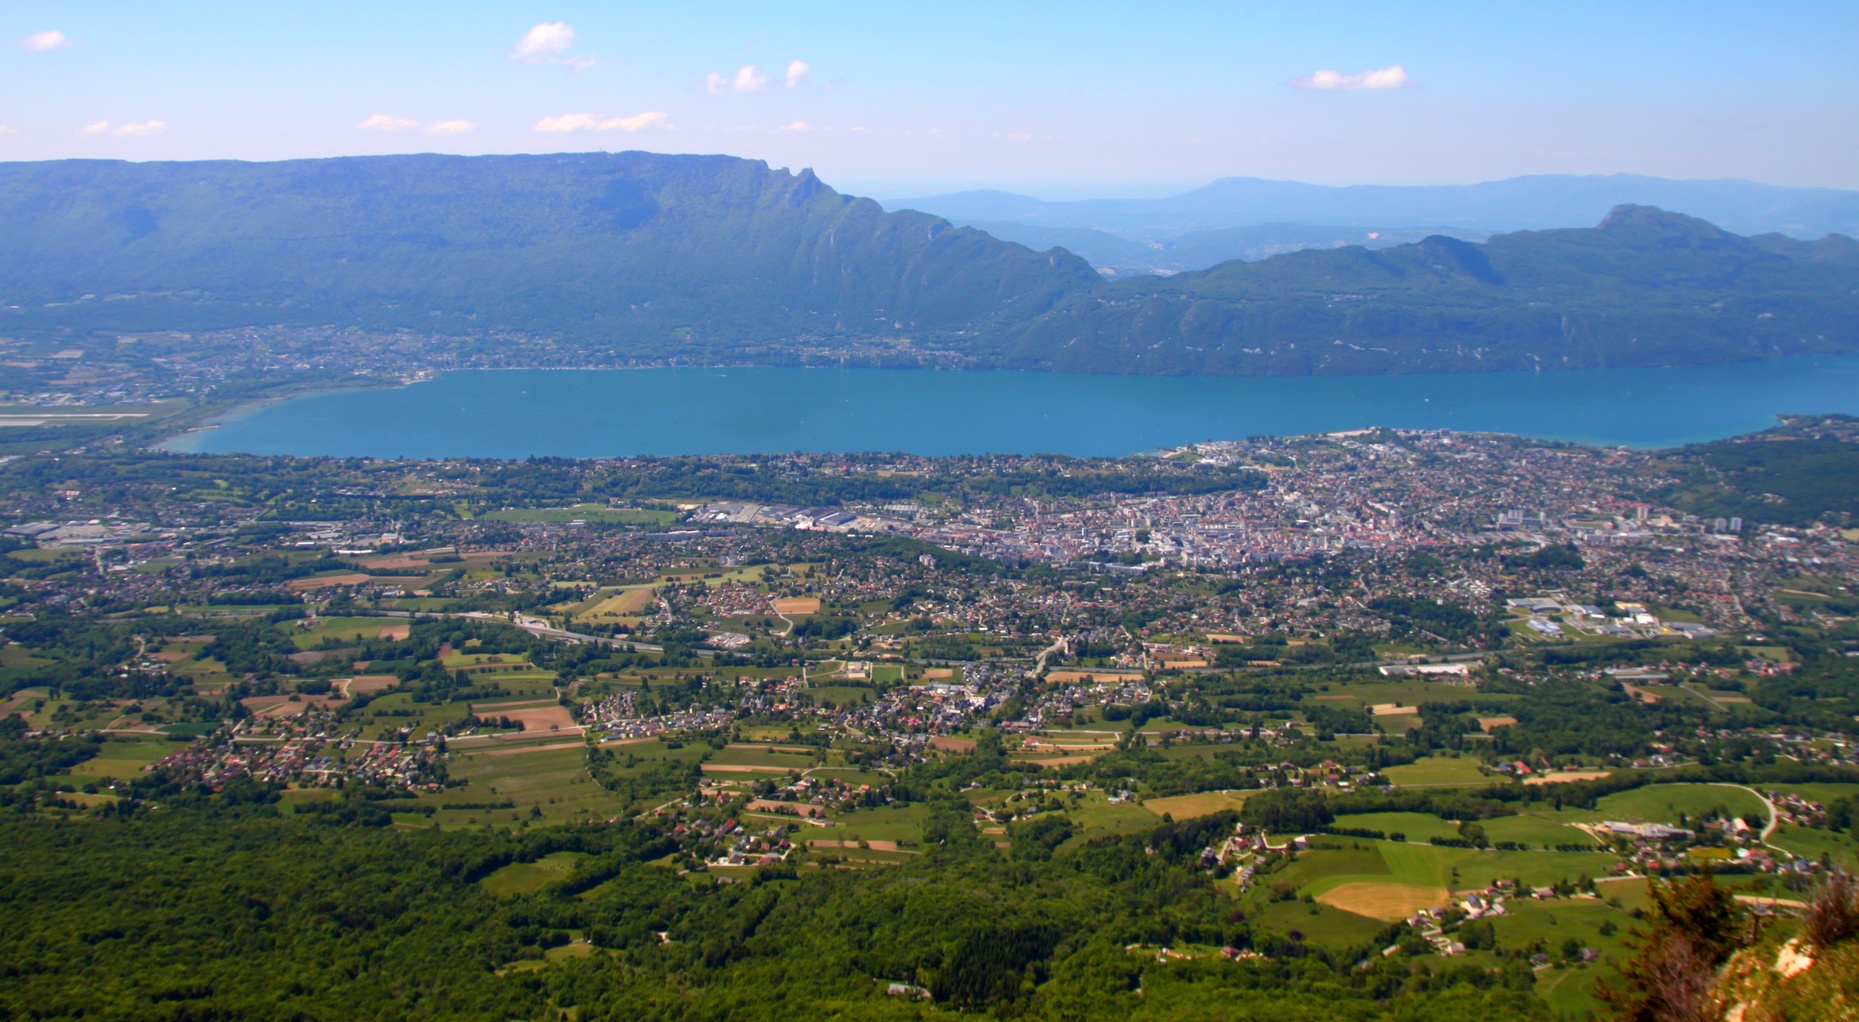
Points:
(177, 443)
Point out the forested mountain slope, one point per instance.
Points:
(626, 252)
(1646, 287)
(629, 257)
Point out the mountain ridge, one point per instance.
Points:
(636, 257)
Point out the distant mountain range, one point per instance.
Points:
(633, 257)
(1117, 256)
(1249, 218)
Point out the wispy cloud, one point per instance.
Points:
(568, 122)
(546, 43)
(48, 40)
(746, 79)
(796, 127)
(636, 121)
(450, 127)
(797, 72)
(385, 122)
(8, 129)
(1394, 76)
(143, 128)
(596, 122)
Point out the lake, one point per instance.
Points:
(606, 413)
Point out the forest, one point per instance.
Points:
(195, 906)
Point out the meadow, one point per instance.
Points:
(1438, 771)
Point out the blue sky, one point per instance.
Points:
(1060, 99)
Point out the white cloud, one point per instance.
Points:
(542, 42)
(145, 128)
(635, 122)
(568, 122)
(797, 126)
(1394, 76)
(8, 129)
(384, 122)
(797, 72)
(99, 128)
(450, 127)
(40, 41)
(748, 79)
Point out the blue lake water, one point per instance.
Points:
(606, 413)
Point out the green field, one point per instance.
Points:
(1319, 924)
(1541, 827)
(891, 823)
(1417, 826)
(1813, 842)
(839, 695)
(1437, 771)
(1822, 793)
(1096, 817)
(1537, 869)
(1662, 803)
(1552, 923)
(341, 629)
(124, 760)
(555, 782)
(530, 877)
(745, 755)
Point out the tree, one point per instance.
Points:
(1695, 925)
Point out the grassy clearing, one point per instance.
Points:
(1319, 924)
(1095, 816)
(1320, 869)
(766, 756)
(1437, 771)
(1187, 807)
(341, 629)
(839, 695)
(530, 877)
(1567, 989)
(1537, 869)
(556, 782)
(1417, 826)
(1541, 828)
(891, 823)
(1822, 793)
(1662, 803)
(1813, 843)
(124, 760)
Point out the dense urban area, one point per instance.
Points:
(1452, 722)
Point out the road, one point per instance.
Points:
(1774, 817)
(537, 626)
(1039, 666)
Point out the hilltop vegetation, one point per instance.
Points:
(634, 257)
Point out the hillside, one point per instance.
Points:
(627, 253)
(629, 257)
(1644, 288)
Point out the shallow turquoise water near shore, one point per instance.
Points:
(607, 413)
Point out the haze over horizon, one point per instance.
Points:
(909, 100)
